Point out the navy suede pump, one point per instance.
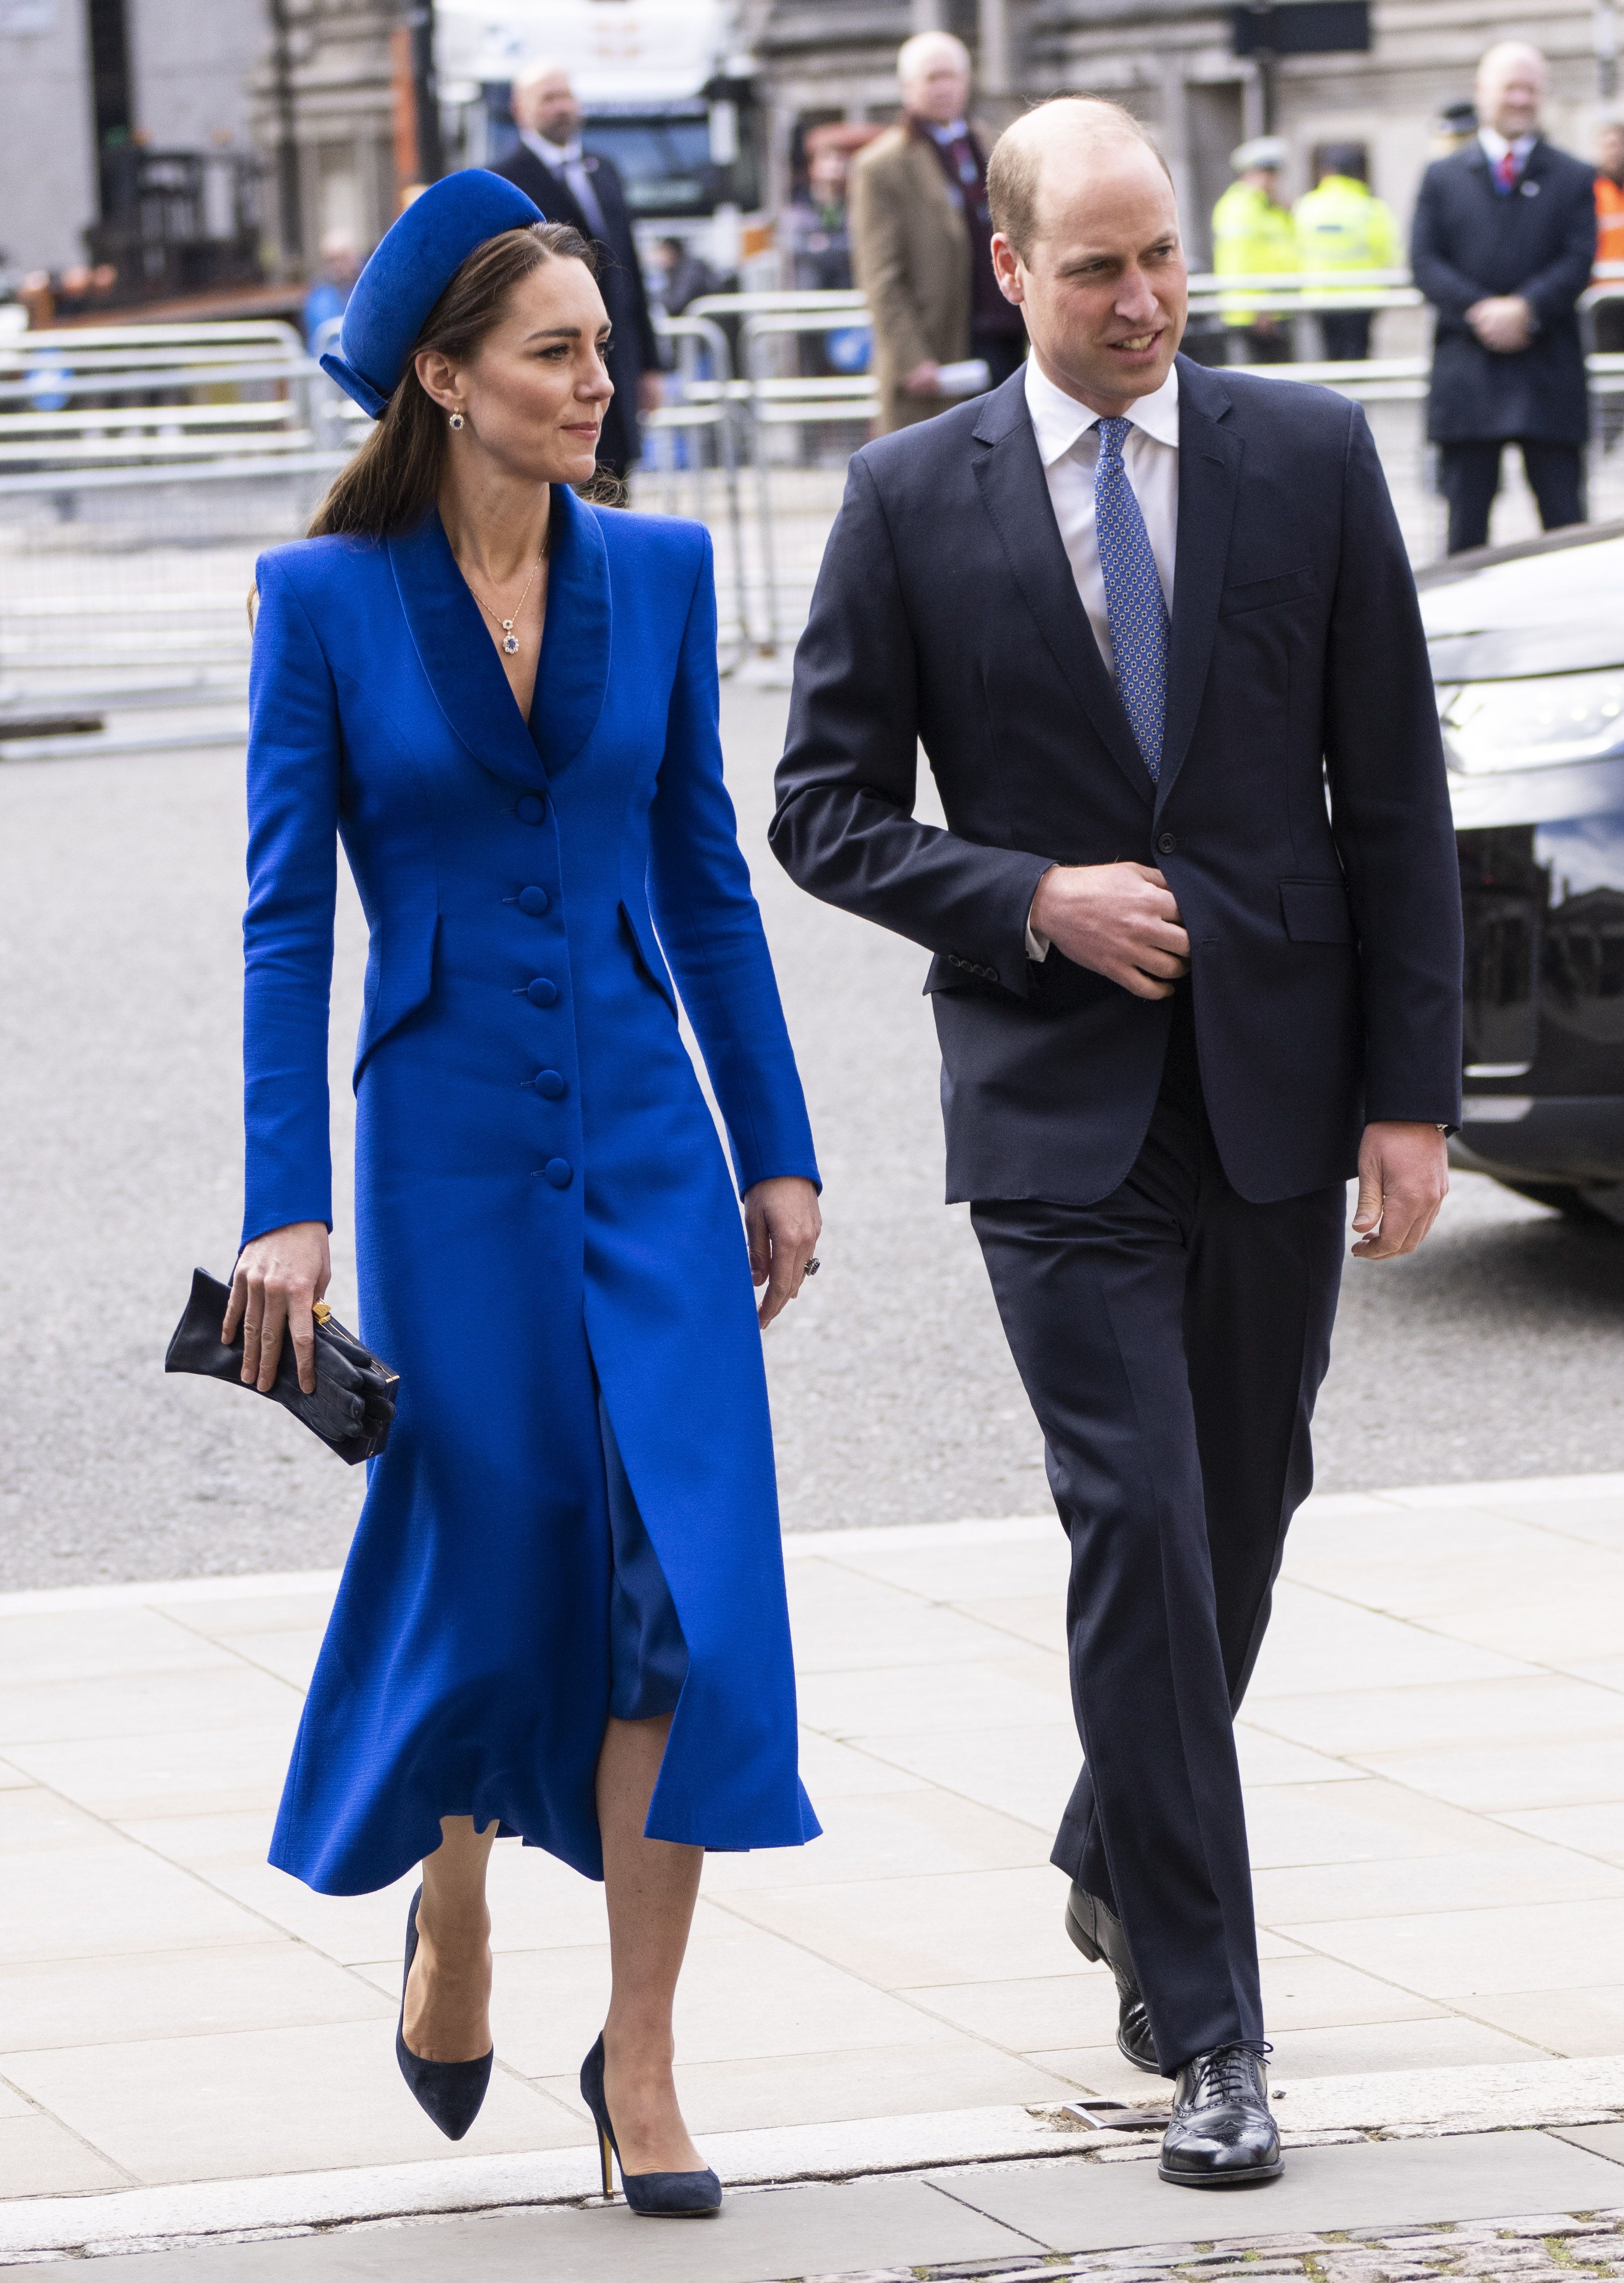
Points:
(450, 2092)
(657, 2195)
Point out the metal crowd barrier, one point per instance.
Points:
(142, 469)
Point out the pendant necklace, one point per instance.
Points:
(510, 639)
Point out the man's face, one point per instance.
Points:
(938, 86)
(1265, 179)
(1610, 150)
(1104, 287)
(1510, 91)
(548, 107)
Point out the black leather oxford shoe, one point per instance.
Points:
(1222, 2134)
(1097, 1933)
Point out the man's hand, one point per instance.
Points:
(925, 380)
(651, 391)
(1502, 322)
(1403, 1179)
(1120, 920)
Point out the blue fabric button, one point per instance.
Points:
(532, 809)
(551, 1084)
(542, 992)
(534, 901)
(559, 1171)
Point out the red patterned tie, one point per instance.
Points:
(1507, 170)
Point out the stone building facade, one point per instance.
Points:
(1171, 62)
(182, 74)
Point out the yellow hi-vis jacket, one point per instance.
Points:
(1341, 226)
(1252, 237)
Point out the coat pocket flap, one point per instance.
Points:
(399, 975)
(646, 951)
(1253, 594)
(1316, 911)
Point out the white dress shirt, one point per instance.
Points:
(568, 160)
(1068, 446)
(1496, 147)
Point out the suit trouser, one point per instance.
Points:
(1469, 477)
(1347, 334)
(1172, 1340)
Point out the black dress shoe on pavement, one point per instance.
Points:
(1222, 2134)
(1097, 1933)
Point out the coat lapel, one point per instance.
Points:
(1209, 462)
(458, 656)
(1015, 494)
(573, 678)
(460, 659)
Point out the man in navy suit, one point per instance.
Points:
(1502, 244)
(583, 188)
(1195, 927)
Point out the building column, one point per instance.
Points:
(993, 26)
(930, 15)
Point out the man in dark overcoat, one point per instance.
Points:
(1503, 243)
(1195, 920)
(583, 188)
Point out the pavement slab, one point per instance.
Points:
(1492, 2205)
(194, 2047)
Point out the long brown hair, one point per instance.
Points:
(394, 478)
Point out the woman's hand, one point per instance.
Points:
(276, 1279)
(782, 1223)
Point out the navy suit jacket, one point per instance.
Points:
(1302, 817)
(1469, 240)
(633, 347)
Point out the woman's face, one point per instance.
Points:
(533, 393)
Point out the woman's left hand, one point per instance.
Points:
(782, 1224)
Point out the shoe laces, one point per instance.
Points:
(1226, 2071)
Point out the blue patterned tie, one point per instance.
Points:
(1135, 604)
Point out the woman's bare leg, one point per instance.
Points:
(651, 1887)
(448, 1997)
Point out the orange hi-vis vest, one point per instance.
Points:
(1609, 227)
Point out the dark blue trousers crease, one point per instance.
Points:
(1172, 1340)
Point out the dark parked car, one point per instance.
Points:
(1527, 646)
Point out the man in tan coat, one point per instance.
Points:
(921, 238)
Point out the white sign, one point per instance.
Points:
(23, 16)
(625, 51)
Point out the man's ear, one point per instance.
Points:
(1006, 269)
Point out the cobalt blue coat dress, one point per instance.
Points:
(578, 1494)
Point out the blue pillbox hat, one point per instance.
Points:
(410, 266)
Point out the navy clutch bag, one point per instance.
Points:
(353, 1407)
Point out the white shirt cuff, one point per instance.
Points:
(1037, 945)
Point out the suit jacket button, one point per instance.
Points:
(551, 1084)
(531, 807)
(559, 1171)
(1167, 842)
(534, 901)
(542, 992)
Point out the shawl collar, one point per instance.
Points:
(572, 679)
(1015, 495)
(1209, 460)
(449, 632)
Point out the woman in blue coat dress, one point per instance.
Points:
(563, 1616)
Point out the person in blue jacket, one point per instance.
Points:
(563, 1616)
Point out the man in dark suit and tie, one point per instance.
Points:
(584, 188)
(1196, 938)
(1502, 244)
